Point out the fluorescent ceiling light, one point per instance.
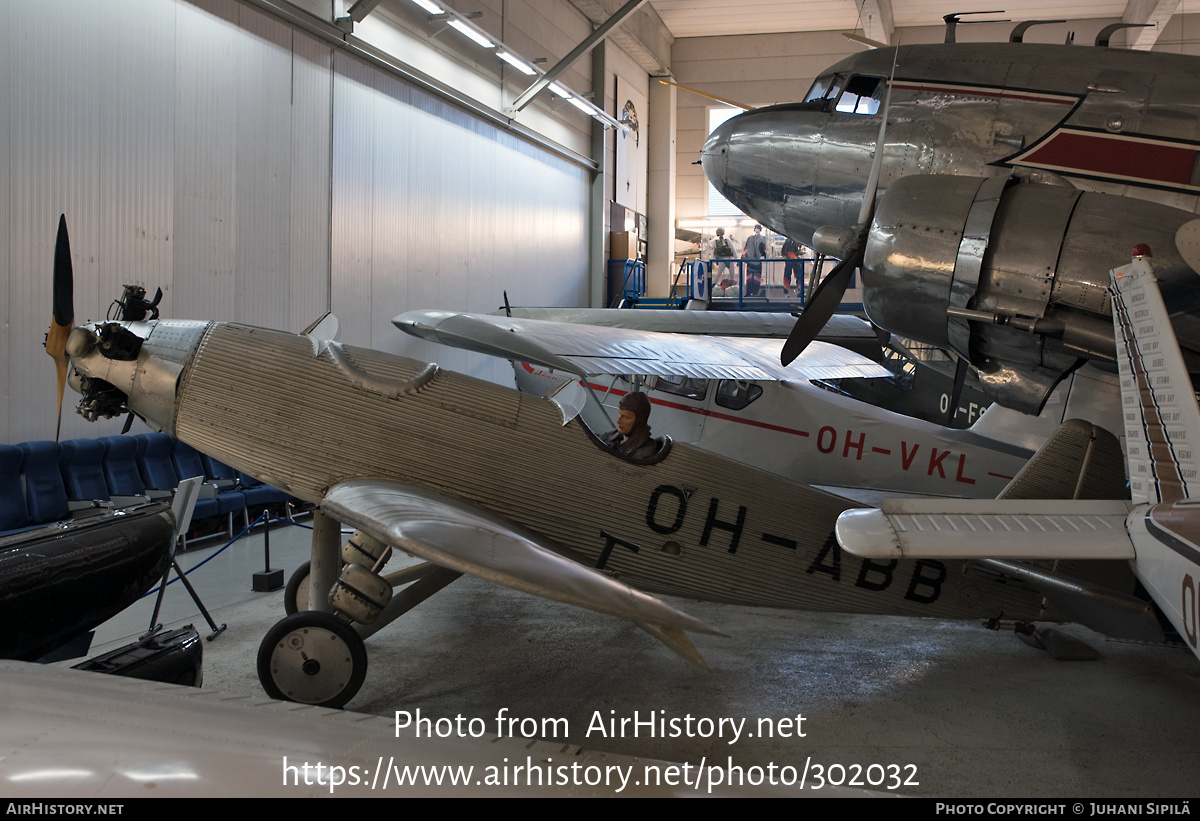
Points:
(559, 90)
(429, 6)
(471, 33)
(517, 63)
(582, 104)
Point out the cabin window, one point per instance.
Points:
(682, 386)
(862, 95)
(736, 394)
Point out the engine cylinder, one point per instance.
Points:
(360, 594)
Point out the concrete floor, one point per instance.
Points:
(977, 713)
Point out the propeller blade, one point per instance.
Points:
(507, 307)
(828, 295)
(821, 305)
(960, 378)
(63, 310)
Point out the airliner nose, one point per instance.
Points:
(715, 148)
(793, 167)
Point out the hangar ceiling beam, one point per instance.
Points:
(875, 17)
(356, 14)
(583, 48)
(644, 37)
(1154, 14)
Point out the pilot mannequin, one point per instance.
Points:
(632, 436)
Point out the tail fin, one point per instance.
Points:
(1162, 420)
(1080, 461)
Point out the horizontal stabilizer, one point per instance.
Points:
(973, 528)
(586, 350)
(471, 540)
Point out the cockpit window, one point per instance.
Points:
(682, 386)
(825, 87)
(862, 95)
(736, 394)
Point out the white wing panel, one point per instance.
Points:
(1010, 529)
(587, 350)
(720, 323)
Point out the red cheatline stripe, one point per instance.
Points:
(726, 417)
(1026, 96)
(1130, 158)
(701, 412)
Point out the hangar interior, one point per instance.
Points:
(266, 161)
(259, 164)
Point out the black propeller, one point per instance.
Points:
(821, 305)
(828, 294)
(63, 313)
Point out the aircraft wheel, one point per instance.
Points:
(295, 596)
(312, 658)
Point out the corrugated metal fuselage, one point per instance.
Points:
(304, 416)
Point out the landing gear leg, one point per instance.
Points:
(326, 561)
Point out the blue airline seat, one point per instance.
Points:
(45, 493)
(14, 513)
(82, 466)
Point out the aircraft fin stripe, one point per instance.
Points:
(1161, 417)
(1171, 540)
(1121, 157)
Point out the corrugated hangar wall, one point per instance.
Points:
(255, 176)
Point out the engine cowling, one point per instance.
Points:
(1012, 275)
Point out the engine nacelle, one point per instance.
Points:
(1013, 276)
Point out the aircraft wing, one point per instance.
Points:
(587, 350)
(470, 540)
(987, 529)
(721, 323)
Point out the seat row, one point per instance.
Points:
(44, 482)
